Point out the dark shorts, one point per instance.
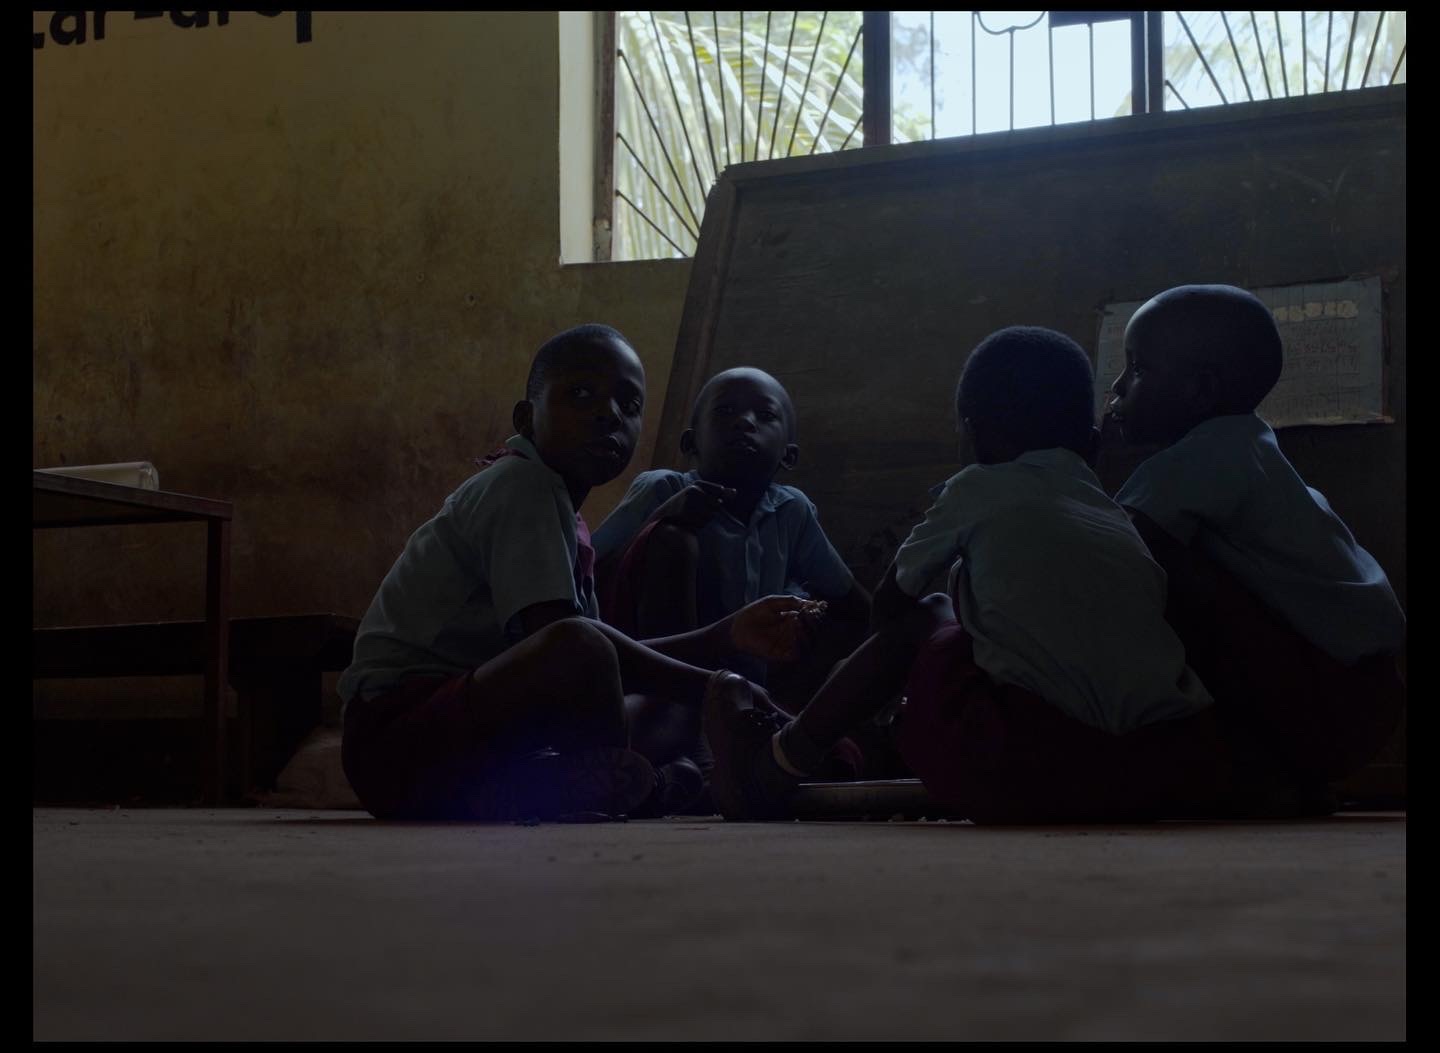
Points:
(1316, 718)
(999, 753)
(417, 751)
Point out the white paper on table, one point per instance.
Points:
(140, 474)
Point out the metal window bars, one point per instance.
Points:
(1210, 62)
(695, 91)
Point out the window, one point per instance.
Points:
(696, 91)
(1220, 57)
(684, 94)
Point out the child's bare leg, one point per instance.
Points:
(468, 749)
(862, 685)
(665, 720)
(572, 676)
(664, 712)
(644, 670)
(666, 602)
(757, 770)
(663, 729)
(558, 687)
(599, 661)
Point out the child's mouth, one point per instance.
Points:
(607, 447)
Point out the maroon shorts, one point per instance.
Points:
(998, 753)
(1314, 717)
(418, 750)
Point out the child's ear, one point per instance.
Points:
(687, 443)
(791, 457)
(523, 417)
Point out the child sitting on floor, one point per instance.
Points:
(1060, 693)
(482, 686)
(700, 545)
(691, 548)
(1290, 623)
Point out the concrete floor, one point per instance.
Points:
(261, 924)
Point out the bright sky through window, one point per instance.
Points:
(911, 80)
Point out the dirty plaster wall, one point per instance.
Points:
(307, 277)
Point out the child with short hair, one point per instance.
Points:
(482, 685)
(700, 545)
(1059, 693)
(689, 548)
(1290, 622)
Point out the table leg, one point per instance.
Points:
(217, 646)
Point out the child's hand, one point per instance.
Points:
(695, 505)
(777, 628)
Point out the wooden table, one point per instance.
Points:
(65, 501)
(276, 668)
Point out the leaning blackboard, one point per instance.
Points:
(862, 279)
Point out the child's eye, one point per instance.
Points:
(633, 407)
(582, 391)
(768, 417)
(724, 410)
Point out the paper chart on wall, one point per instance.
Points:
(1334, 369)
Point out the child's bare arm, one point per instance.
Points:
(704, 647)
(840, 627)
(644, 669)
(775, 627)
(695, 505)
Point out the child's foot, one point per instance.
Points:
(546, 785)
(746, 783)
(678, 785)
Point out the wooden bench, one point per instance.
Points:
(276, 669)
